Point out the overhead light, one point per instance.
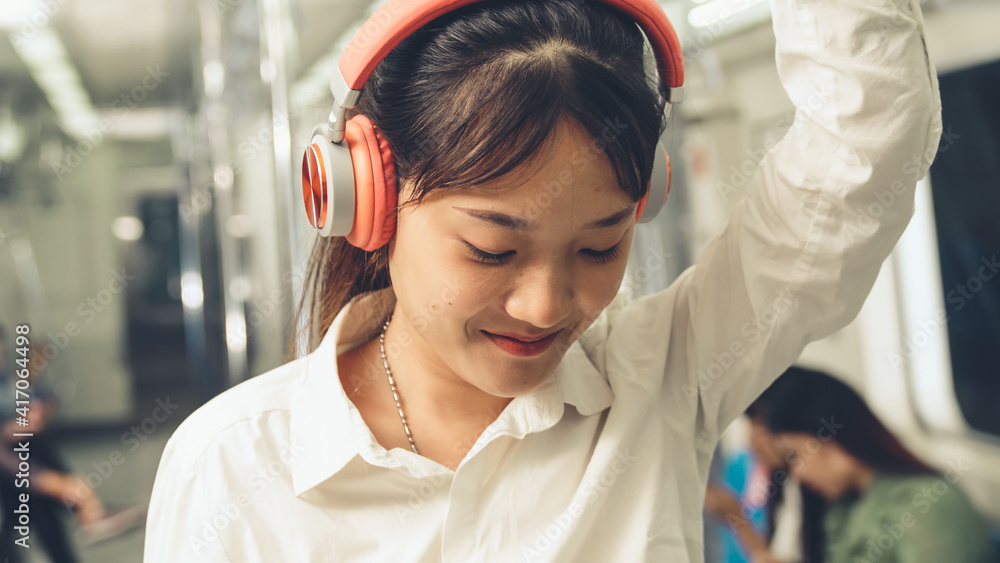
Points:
(192, 294)
(12, 141)
(140, 124)
(44, 55)
(20, 15)
(268, 70)
(40, 49)
(59, 76)
(12, 136)
(127, 228)
(236, 331)
(214, 75)
(728, 12)
(80, 125)
(14, 14)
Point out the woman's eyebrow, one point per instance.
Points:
(519, 224)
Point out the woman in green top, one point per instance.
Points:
(885, 504)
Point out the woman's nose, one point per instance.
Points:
(542, 296)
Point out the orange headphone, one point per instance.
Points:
(348, 172)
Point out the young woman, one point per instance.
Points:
(478, 393)
(887, 505)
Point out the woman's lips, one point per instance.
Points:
(519, 347)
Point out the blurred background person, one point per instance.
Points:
(774, 518)
(56, 494)
(51, 486)
(885, 504)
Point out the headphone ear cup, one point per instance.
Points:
(659, 186)
(641, 205)
(375, 217)
(315, 183)
(364, 183)
(384, 226)
(328, 187)
(670, 175)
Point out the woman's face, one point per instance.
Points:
(823, 466)
(763, 446)
(498, 280)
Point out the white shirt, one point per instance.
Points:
(786, 542)
(608, 460)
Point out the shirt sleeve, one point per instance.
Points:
(824, 208)
(179, 525)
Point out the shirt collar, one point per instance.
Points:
(330, 431)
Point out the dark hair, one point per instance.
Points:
(806, 398)
(759, 408)
(813, 505)
(475, 94)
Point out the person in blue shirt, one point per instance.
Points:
(779, 520)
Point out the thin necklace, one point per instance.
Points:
(392, 386)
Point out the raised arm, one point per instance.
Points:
(826, 205)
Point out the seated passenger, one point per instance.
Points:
(886, 505)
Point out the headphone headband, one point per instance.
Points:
(397, 19)
(349, 182)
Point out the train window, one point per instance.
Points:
(965, 180)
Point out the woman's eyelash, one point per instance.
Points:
(490, 259)
(605, 256)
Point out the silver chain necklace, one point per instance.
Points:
(392, 386)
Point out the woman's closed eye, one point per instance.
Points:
(493, 259)
(604, 256)
(489, 258)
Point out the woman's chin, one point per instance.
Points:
(511, 383)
